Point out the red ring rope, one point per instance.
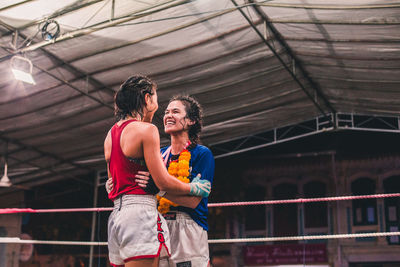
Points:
(210, 205)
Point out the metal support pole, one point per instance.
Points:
(95, 189)
(338, 205)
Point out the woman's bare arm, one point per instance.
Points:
(150, 142)
(107, 147)
(107, 151)
(143, 177)
(186, 201)
(151, 151)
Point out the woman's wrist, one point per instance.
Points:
(161, 193)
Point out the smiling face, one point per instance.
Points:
(175, 119)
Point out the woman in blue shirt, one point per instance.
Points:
(187, 222)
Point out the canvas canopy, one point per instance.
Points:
(253, 65)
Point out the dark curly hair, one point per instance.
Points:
(194, 112)
(130, 97)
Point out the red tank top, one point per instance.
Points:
(122, 168)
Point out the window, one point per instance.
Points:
(315, 213)
(255, 215)
(392, 208)
(364, 210)
(285, 215)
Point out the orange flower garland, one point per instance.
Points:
(179, 169)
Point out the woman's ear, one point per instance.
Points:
(147, 99)
(151, 105)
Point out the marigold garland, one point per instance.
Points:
(180, 169)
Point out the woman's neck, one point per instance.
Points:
(179, 142)
(133, 117)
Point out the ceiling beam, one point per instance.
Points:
(41, 169)
(75, 88)
(102, 25)
(74, 34)
(154, 35)
(99, 85)
(63, 11)
(75, 70)
(279, 38)
(346, 122)
(44, 154)
(164, 87)
(329, 7)
(15, 5)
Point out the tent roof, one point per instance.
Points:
(253, 65)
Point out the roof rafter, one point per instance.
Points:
(69, 128)
(332, 22)
(278, 37)
(63, 11)
(45, 154)
(100, 26)
(329, 7)
(72, 68)
(41, 169)
(15, 5)
(176, 28)
(112, 85)
(75, 88)
(66, 128)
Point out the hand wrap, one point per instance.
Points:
(200, 188)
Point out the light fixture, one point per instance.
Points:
(22, 69)
(5, 181)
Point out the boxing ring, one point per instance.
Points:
(18, 240)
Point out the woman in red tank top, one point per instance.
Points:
(134, 137)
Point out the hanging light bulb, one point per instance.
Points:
(5, 181)
(22, 69)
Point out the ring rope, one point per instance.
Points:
(29, 210)
(211, 205)
(16, 240)
(304, 237)
(302, 200)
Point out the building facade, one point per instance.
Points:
(314, 176)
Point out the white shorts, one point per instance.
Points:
(136, 230)
(189, 242)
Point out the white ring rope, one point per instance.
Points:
(16, 240)
(304, 237)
